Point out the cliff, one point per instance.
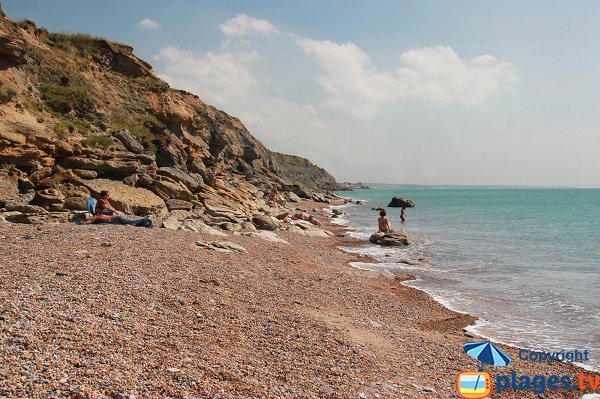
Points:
(301, 170)
(79, 114)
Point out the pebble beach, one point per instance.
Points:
(121, 312)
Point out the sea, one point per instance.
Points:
(525, 261)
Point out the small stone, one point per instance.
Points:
(173, 370)
(374, 324)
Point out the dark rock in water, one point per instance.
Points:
(398, 202)
(376, 237)
(392, 238)
(337, 212)
(378, 209)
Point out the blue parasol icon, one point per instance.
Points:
(486, 353)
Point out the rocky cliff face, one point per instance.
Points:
(79, 114)
(301, 170)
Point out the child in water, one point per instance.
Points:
(384, 223)
(403, 215)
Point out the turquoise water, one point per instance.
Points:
(526, 261)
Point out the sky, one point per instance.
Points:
(412, 92)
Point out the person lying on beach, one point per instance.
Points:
(383, 222)
(402, 215)
(105, 213)
(306, 217)
(117, 219)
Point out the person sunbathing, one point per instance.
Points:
(308, 218)
(105, 213)
(117, 219)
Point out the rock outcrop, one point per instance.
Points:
(301, 170)
(80, 114)
(398, 202)
(392, 238)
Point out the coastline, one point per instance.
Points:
(113, 310)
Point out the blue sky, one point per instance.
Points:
(431, 92)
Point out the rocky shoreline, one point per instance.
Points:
(115, 311)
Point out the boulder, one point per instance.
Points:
(320, 198)
(174, 190)
(128, 199)
(301, 191)
(177, 204)
(86, 174)
(218, 210)
(263, 222)
(9, 189)
(192, 181)
(131, 180)
(222, 246)
(398, 202)
(114, 166)
(293, 197)
(376, 237)
(55, 179)
(129, 141)
(50, 198)
(393, 238)
(263, 235)
(76, 203)
(248, 226)
(308, 229)
(40, 175)
(72, 190)
(22, 208)
(35, 218)
(25, 184)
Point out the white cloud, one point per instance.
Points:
(243, 25)
(215, 77)
(149, 24)
(435, 74)
(341, 125)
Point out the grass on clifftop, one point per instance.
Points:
(85, 44)
(154, 85)
(64, 99)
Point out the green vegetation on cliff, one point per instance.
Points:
(63, 99)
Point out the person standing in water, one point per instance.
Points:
(383, 222)
(403, 215)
